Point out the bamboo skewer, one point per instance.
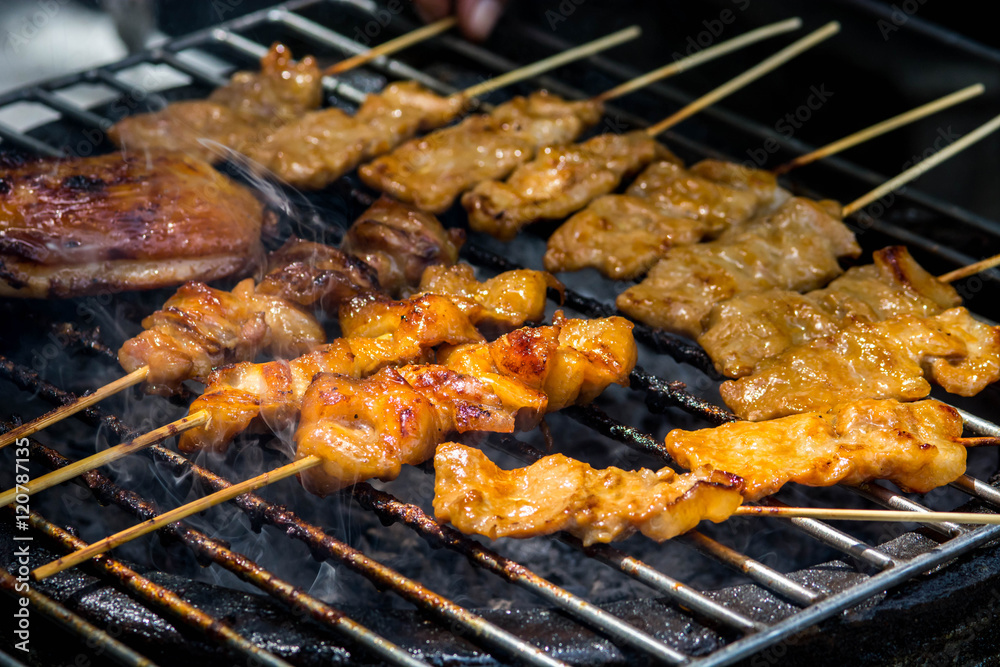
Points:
(834, 514)
(970, 269)
(81, 403)
(921, 167)
(752, 74)
(696, 59)
(559, 59)
(392, 46)
(881, 128)
(104, 457)
(174, 515)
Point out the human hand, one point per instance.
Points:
(476, 18)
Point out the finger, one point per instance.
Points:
(478, 17)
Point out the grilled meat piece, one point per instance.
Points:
(399, 242)
(314, 274)
(200, 327)
(887, 359)
(237, 115)
(432, 171)
(795, 248)
(370, 428)
(748, 328)
(559, 181)
(112, 223)
(619, 235)
(498, 304)
(559, 493)
(321, 146)
(914, 445)
(270, 394)
(622, 236)
(571, 362)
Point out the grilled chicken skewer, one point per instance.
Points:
(918, 446)
(563, 179)
(796, 248)
(624, 235)
(433, 171)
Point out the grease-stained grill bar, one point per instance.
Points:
(658, 393)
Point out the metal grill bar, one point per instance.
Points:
(114, 649)
(104, 490)
(883, 496)
(159, 597)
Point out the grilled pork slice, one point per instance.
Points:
(370, 428)
(316, 275)
(914, 445)
(748, 328)
(623, 236)
(559, 181)
(888, 359)
(433, 170)
(795, 248)
(399, 242)
(571, 362)
(237, 115)
(113, 223)
(559, 493)
(497, 305)
(321, 146)
(270, 394)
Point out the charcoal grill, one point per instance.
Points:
(889, 596)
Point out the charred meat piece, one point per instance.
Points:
(748, 328)
(914, 445)
(112, 223)
(795, 248)
(888, 359)
(559, 181)
(559, 493)
(241, 113)
(432, 171)
(496, 305)
(370, 428)
(321, 146)
(270, 394)
(399, 242)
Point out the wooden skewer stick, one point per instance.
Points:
(866, 515)
(924, 166)
(559, 59)
(81, 403)
(980, 441)
(174, 515)
(970, 269)
(752, 74)
(104, 457)
(881, 128)
(704, 56)
(393, 45)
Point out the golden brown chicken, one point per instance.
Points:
(559, 181)
(571, 362)
(241, 113)
(399, 242)
(559, 493)
(432, 171)
(370, 428)
(122, 222)
(748, 328)
(321, 146)
(887, 359)
(623, 236)
(270, 394)
(497, 305)
(795, 248)
(916, 446)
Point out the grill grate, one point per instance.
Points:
(741, 635)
